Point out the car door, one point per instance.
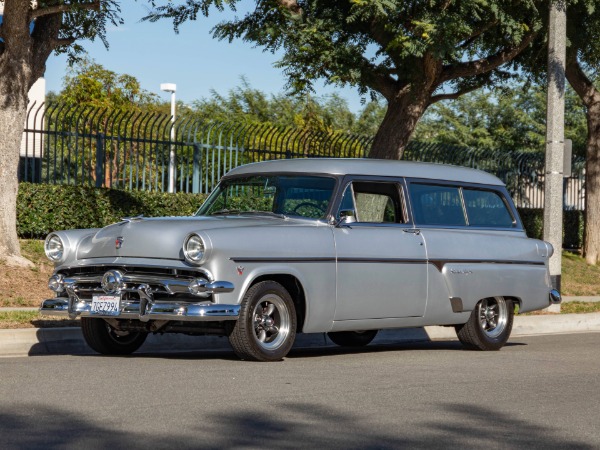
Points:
(381, 259)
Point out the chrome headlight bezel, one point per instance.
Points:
(195, 249)
(55, 248)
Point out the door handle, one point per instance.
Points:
(412, 230)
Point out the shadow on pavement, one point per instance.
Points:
(284, 425)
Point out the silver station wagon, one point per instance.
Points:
(345, 247)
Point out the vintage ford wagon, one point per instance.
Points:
(338, 246)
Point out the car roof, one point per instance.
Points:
(372, 167)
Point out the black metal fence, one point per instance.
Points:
(130, 150)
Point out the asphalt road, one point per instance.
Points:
(537, 392)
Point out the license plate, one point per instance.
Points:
(107, 305)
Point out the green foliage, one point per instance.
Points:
(511, 119)
(573, 223)
(362, 42)
(89, 84)
(246, 105)
(42, 208)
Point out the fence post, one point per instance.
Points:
(196, 170)
(99, 160)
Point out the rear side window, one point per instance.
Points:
(437, 205)
(486, 209)
(443, 205)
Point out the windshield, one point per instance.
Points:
(288, 195)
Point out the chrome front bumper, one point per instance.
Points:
(144, 311)
(142, 297)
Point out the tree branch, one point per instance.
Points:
(484, 65)
(453, 95)
(50, 10)
(62, 42)
(580, 82)
(471, 38)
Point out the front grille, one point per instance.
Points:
(164, 283)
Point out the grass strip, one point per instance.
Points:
(33, 319)
(579, 307)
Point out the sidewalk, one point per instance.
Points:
(57, 341)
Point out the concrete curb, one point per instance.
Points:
(69, 341)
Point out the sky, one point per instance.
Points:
(192, 59)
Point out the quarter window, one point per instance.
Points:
(486, 209)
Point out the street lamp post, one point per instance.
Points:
(171, 87)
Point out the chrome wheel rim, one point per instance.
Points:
(271, 322)
(493, 316)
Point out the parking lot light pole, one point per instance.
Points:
(555, 136)
(171, 87)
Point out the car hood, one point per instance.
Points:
(163, 237)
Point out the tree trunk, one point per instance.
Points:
(16, 78)
(401, 118)
(591, 235)
(590, 96)
(12, 118)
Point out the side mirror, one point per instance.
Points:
(347, 216)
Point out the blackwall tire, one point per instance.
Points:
(489, 325)
(266, 327)
(352, 338)
(104, 339)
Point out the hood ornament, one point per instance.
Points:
(131, 219)
(119, 242)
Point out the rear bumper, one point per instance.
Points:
(143, 310)
(554, 297)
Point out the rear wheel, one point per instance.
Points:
(352, 338)
(266, 327)
(489, 325)
(104, 339)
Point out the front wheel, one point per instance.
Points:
(489, 325)
(266, 327)
(104, 339)
(352, 338)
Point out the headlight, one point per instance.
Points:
(193, 249)
(54, 247)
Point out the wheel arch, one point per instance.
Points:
(294, 287)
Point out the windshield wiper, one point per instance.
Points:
(224, 212)
(264, 213)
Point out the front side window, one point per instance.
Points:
(374, 202)
(290, 195)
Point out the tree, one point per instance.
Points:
(511, 119)
(29, 33)
(244, 104)
(89, 84)
(413, 53)
(583, 67)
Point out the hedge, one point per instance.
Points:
(42, 208)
